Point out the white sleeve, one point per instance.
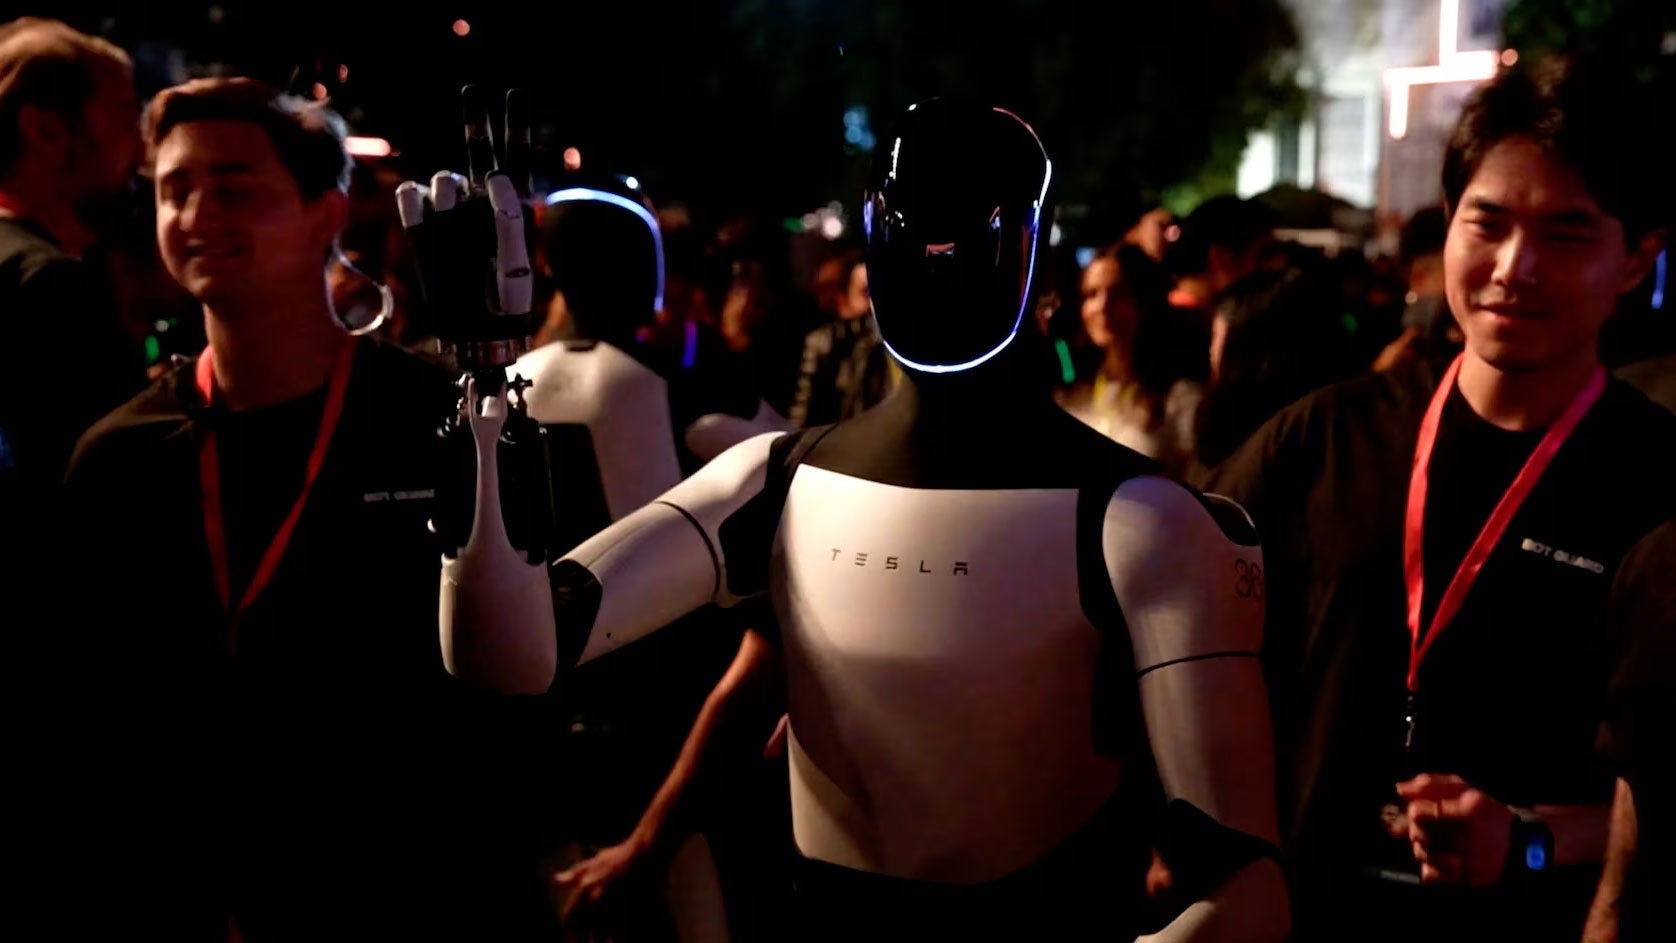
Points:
(1191, 592)
(667, 559)
(714, 433)
(1192, 598)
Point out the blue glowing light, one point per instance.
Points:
(586, 194)
(857, 131)
(1658, 282)
(1536, 857)
(689, 353)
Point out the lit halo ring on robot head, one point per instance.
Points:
(1029, 277)
(581, 194)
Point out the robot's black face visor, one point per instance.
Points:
(953, 212)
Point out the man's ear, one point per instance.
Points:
(1642, 257)
(41, 130)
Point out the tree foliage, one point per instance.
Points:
(1130, 99)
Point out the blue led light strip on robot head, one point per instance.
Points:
(1658, 281)
(576, 194)
(1029, 280)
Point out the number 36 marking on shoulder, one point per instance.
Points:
(1248, 579)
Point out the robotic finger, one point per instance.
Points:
(448, 189)
(514, 281)
(411, 197)
(517, 149)
(480, 146)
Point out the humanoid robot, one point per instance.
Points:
(597, 419)
(1017, 659)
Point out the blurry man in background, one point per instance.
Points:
(1222, 241)
(845, 369)
(69, 146)
(1153, 233)
(1639, 734)
(1428, 332)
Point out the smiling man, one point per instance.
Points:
(272, 720)
(1441, 540)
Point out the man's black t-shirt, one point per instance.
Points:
(1473, 462)
(68, 362)
(1640, 729)
(1509, 696)
(264, 458)
(313, 769)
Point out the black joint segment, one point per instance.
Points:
(517, 147)
(715, 561)
(1190, 658)
(748, 533)
(490, 381)
(1202, 854)
(576, 598)
(480, 144)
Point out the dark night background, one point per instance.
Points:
(740, 105)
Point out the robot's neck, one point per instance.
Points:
(993, 427)
(1004, 387)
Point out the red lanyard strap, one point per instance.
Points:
(1414, 525)
(209, 475)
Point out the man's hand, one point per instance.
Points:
(1459, 834)
(592, 882)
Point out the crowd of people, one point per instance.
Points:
(223, 509)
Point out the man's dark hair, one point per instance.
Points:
(308, 137)
(1226, 221)
(1597, 122)
(47, 64)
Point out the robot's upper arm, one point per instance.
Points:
(664, 560)
(714, 433)
(1187, 573)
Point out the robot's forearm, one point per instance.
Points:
(1193, 606)
(513, 624)
(1249, 906)
(496, 605)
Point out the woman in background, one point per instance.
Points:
(1140, 395)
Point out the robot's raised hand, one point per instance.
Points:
(469, 240)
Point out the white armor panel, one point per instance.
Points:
(625, 406)
(940, 674)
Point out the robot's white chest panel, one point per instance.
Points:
(940, 673)
(625, 407)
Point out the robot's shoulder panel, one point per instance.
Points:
(737, 499)
(744, 468)
(571, 379)
(1186, 569)
(576, 356)
(1152, 507)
